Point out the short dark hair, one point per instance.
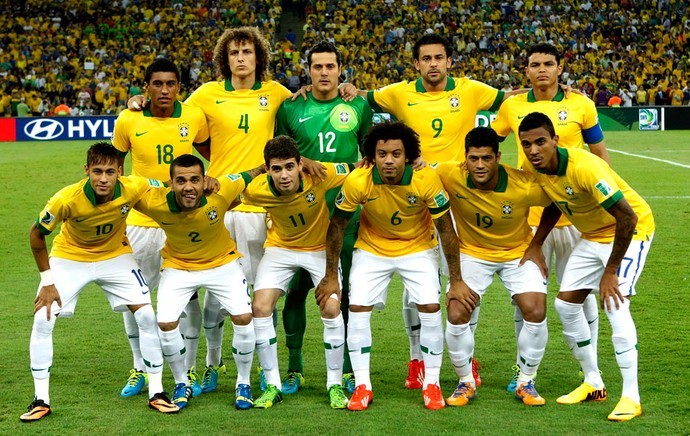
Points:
(430, 39)
(281, 147)
(101, 153)
(388, 130)
(163, 65)
(262, 49)
(481, 137)
(536, 120)
(186, 161)
(325, 47)
(544, 48)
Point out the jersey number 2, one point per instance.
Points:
(325, 142)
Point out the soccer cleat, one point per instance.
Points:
(271, 396)
(292, 382)
(625, 410)
(209, 380)
(475, 372)
(433, 398)
(512, 386)
(162, 403)
(361, 398)
(193, 378)
(528, 394)
(243, 397)
(135, 383)
(337, 397)
(36, 410)
(349, 382)
(181, 395)
(584, 392)
(415, 374)
(462, 395)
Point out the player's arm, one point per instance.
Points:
(534, 252)
(334, 243)
(248, 176)
(204, 148)
(48, 292)
(626, 220)
(599, 149)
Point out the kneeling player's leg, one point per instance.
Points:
(295, 319)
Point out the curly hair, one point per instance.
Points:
(262, 50)
(391, 130)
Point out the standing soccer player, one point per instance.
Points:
(155, 136)
(91, 247)
(327, 129)
(617, 229)
(297, 239)
(396, 234)
(576, 122)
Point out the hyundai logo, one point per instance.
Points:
(43, 129)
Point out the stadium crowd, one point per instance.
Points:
(87, 57)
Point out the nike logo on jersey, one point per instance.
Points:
(166, 224)
(301, 120)
(412, 104)
(460, 197)
(373, 198)
(137, 134)
(220, 101)
(80, 219)
(521, 117)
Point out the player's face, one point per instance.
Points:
(285, 174)
(432, 64)
(162, 89)
(482, 165)
(390, 160)
(242, 58)
(103, 179)
(188, 186)
(542, 70)
(540, 149)
(324, 72)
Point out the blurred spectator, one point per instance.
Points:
(659, 97)
(614, 101)
(626, 96)
(601, 98)
(23, 109)
(62, 110)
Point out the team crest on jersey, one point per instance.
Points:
(562, 115)
(184, 130)
(310, 197)
(569, 189)
(340, 198)
(263, 101)
(454, 101)
(124, 210)
(212, 214)
(47, 218)
(343, 118)
(440, 199)
(412, 198)
(507, 207)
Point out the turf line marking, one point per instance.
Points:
(650, 158)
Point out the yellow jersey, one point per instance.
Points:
(136, 132)
(396, 219)
(492, 225)
(300, 221)
(584, 187)
(92, 232)
(442, 119)
(196, 240)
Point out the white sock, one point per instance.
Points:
(243, 345)
(41, 353)
(474, 318)
(359, 345)
(591, 309)
(460, 340)
(412, 326)
(431, 337)
(267, 349)
(42, 389)
(213, 329)
(334, 341)
(190, 327)
(517, 317)
(624, 337)
(151, 347)
(577, 336)
(155, 383)
(174, 351)
(531, 347)
(132, 330)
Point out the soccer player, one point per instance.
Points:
(327, 129)
(297, 239)
(490, 203)
(617, 229)
(199, 253)
(155, 136)
(396, 234)
(91, 247)
(576, 123)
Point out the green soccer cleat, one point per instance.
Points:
(193, 378)
(271, 396)
(209, 380)
(337, 397)
(135, 383)
(512, 386)
(292, 382)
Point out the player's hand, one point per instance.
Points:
(348, 91)
(326, 287)
(608, 291)
(364, 163)
(418, 163)
(45, 297)
(535, 254)
(316, 169)
(211, 185)
(136, 103)
(460, 292)
(302, 91)
(567, 89)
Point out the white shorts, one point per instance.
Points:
(371, 274)
(248, 230)
(478, 274)
(120, 278)
(279, 265)
(225, 283)
(586, 266)
(147, 243)
(559, 244)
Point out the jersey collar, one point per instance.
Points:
(278, 194)
(91, 195)
(172, 204)
(502, 180)
(450, 84)
(406, 178)
(229, 87)
(560, 95)
(562, 154)
(177, 111)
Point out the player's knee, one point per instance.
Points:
(458, 313)
(243, 319)
(145, 317)
(429, 308)
(168, 326)
(42, 326)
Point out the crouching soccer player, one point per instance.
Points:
(91, 247)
